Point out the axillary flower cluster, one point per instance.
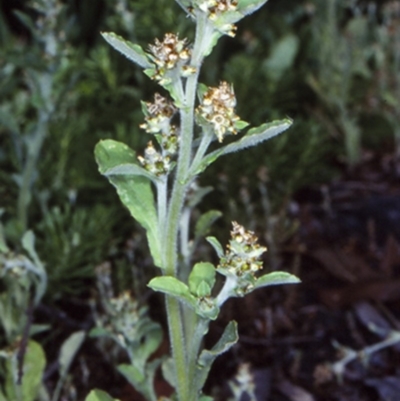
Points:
(241, 260)
(218, 108)
(158, 116)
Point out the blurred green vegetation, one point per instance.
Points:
(332, 67)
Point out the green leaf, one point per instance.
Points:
(141, 379)
(28, 243)
(131, 373)
(276, 278)
(68, 351)
(168, 371)
(216, 245)
(173, 287)
(257, 135)
(8, 121)
(247, 7)
(253, 137)
(33, 368)
(27, 21)
(282, 56)
(132, 51)
(99, 395)
(205, 221)
(134, 191)
(202, 279)
(207, 357)
(130, 169)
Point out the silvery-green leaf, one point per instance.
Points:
(130, 169)
(257, 135)
(247, 7)
(99, 395)
(207, 357)
(172, 286)
(276, 278)
(68, 351)
(135, 192)
(9, 121)
(282, 56)
(132, 51)
(131, 373)
(198, 195)
(202, 278)
(185, 4)
(205, 221)
(34, 363)
(216, 245)
(253, 137)
(168, 371)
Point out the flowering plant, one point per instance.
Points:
(158, 188)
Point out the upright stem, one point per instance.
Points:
(181, 182)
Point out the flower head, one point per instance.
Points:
(217, 108)
(216, 8)
(242, 255)
(155, 162)
(168, 54)
(158, 115)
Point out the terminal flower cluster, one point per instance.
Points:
(168, 55)
(218, 108)
(216, 8)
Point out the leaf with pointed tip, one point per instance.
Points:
(216, 245)
(185, 4)
(247, 7)
(276, 278)
(207, 357)
(27, 387)
(130, 169)
(253, 137)
(202, 279)
(68, 351)
(132, 51)
(205, 221)
(172, 286)
(168, 371)
(134, 191)
(99, 395)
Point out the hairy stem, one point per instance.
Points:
(181, 182)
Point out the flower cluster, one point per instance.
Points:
(215, 8)
(158, 116)
(218, 108)
(241, 259)
(154, 161)
(169, 54)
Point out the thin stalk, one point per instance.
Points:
(175, 318)
(196, 340)
(202, 149)
(162, 187)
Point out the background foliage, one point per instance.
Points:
(334, 69)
